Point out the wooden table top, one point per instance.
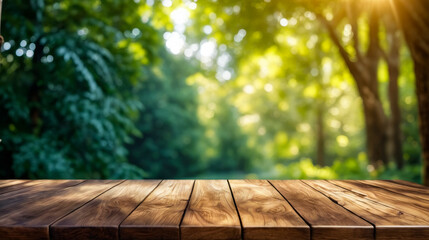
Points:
(213, 209)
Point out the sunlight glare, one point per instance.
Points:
(292, 41)
(294, 150)
(268, 87)
(249, 89)
(175, 42)
(150, 2)
(207, 29)
(223, 60)
(226, 75)
(249, 119)
(240, 35)
(208, 49)
(180, 16)
(284, 22)
(347, 33)
(342, 140)
(191, 5)
(167, 3)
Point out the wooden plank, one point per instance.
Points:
(100, 218)
(36, 188)
(23, 186)
(327, 219)
(159, 215)
(407, 183)
(211, 213)
(10, 182)
(264, 213)
(417, 207)
(12, 185)
(29, 217)
(419, 193)
(392, 219)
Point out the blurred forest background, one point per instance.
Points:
(207, 89)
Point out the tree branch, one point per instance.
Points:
(374, 46)
(350, 64)
(351, 13)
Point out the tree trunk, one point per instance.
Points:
(414, 22)
(364, 71)
(422, 90)
(365, 76)
(376, 130)
(392, 58)
(395, 121)
(320, 138)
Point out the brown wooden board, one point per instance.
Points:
(29, 217)
(264, 213)
(213, 209)
(407, 183)
(159, 215)
(100, 218)
(417, 207)
(422, 193)
(390, 220)
(10, 182)
(211, 213)
(12, 185)
(36, 189)
(327, 219)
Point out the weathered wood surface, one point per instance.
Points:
(159, 216)
(391, 221)
(211, 213)
(265, 214)
(213, 209)
(100, 218)
(327, 219)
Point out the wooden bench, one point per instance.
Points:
(213, 209)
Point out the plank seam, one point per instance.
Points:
(407, 184)
(37, 184)
(236, 208)
(284, 197)
(19, 184)
(186, 208)
(119, 226)
(50, 225)
(369, 198)
(385, 188)
(373, 225)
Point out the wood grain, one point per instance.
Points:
(390, 221)
(159, 215)
(407, 183)
(23, 186)
(211, 209)
(36, 189)
(10, 182)
(327, 219)
(211, 213)
(100, 218)
(12, 185)
(416, 207)
(29, 217)
(264, 213)
(419, 193)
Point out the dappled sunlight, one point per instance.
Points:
(179, 89)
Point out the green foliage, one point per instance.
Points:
(351, 168)
(66, 87)
(234, 154)
(171, 134)
(94, 89)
